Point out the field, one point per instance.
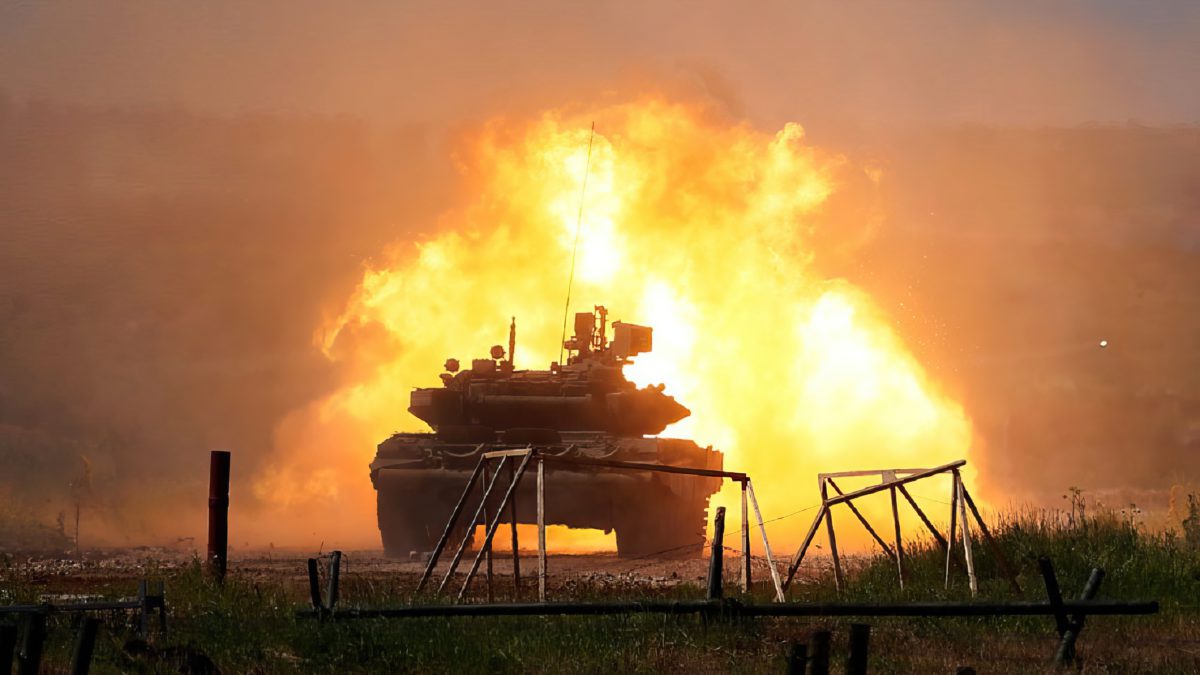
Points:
(250, 625)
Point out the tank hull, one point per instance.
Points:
(419, 479)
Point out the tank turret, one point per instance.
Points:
(587, 393)
(583, 407)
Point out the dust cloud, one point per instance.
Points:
(188, 193)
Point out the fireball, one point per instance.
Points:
(693, 224)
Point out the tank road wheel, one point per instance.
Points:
(665, 529)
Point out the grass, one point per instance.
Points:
(249, 625)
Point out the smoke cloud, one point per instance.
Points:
(187, 193)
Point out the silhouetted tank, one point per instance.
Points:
(583, 408)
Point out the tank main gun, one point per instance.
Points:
(587, 393)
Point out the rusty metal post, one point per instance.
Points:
(314, 586)
(85, 644)
(860, 640)
(30, 658)
(541, 525)
(218, 514)
(716, 557)
(8, 643)
(820, 652)
(797, 658)
(1066, 648)
(335, 570)
(747, 582)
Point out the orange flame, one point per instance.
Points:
(696, 226)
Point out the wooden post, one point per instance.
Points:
(838, 581)
(8, 643)
(953, 531)
(799, 556)
(454, 516)
(862, 519)
(143, 609)
(716, 556)
(860, 640)
(314, 586)
(966, 535)
(30, 658)
(992, 545)
(797, 658)
(335, 571)
(218, 513)
(820, 652)
(85, 644)
(1066, 648)
(487, 551)
(541, 525)
(516, 551)
(762, 527)
(1054, 595)
(746, 559)
(899, 544)
(924, 519)
(462, 546)
(491, 530)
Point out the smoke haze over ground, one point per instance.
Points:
(188, 192)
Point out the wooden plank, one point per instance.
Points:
(487, 550)
(491, 531)
(953, 532)
(839, 581)
(862, 519)
(766, 544)
(870, 490)
(746, 559)
(454, 516)
(645, 466)
(1009, 572)
(462, 546)
(924, 519)
(516, 550)
(799, 556)
(899, 544)
(541, 524)
(966, 535)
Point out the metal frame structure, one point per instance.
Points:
(521, 458)
(894, 481)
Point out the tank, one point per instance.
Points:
(585, 408)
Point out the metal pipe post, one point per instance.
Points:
(716, 558)
(218, 513)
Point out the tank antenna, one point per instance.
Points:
(575, 249)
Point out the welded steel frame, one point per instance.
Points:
(894, 481)
(540, 457)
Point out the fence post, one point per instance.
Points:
(85, 643)
(8, 643)
(218, 513)
(335, 567)
(716, 555)
(797, 658)
(820, 652)
(860, 639)
(1066, 648)
(314, 586)
(30, 657)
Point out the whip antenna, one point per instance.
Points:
(575, 249)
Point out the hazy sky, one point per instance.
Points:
(1021, 61)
